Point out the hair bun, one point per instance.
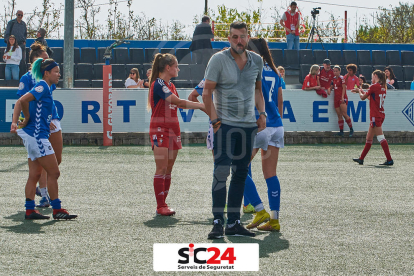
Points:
(37, 46)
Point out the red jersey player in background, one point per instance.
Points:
(340, 101)
(351, 80)
(326, 75)
(376, 93)
(311, 81)
(164, 132)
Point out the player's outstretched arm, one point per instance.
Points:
(280, 101)
(185, 104)
(193, 96)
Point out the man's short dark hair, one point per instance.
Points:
(205, 18)
(42, 32)
(293, 3)
(238, 25)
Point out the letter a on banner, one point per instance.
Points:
(107, 105)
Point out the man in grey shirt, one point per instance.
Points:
(17, 27)
(235, 77)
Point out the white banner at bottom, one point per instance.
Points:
(206, 257)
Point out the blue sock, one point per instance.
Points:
(246, 200)
(56, 204)
(250, 192)
(30, 204)
(273, 192)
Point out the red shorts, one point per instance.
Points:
(338, 101)
(376, 121)
(165, 138)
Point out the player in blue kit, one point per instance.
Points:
(35, 131)
(27, 82)
(270, 140)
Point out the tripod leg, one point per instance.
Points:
(310, 37)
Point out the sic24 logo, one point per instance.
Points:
(206, 257)
(217, 258)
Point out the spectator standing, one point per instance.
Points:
(391, 79)
(133, 81)
(12, 56)
(235, 77)
(290, 21)
(311, 82)
(41, 33)
(326, 75)
(17, 27)
(282, 76)
(201, 43)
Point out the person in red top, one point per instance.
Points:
(311, 81)
(340, 101)
(290, 22)
(326, 75)
(376, 94)
(164, 132)
(351, 79)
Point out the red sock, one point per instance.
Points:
(167, 183)
(159, 190)
(367, 147)
(349, 122)
(384, 145)
(341, 124)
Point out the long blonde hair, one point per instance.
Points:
(158, 66)
(135, 70)
(314, 69)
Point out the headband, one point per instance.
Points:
(49, 67)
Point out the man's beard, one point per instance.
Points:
(239, 50)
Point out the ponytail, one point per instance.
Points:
(158, 66)
(36, 73)
(40, 66)
(259, 45)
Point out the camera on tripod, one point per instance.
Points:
(315, 11)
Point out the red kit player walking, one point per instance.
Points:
(376, 93)
(164, 132)
(340, 101)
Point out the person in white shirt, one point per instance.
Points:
(12, 56)
(133, 81)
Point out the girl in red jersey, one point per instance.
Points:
(311, 81)
(164, 132)
(376, 94)
(351, 80)
(340, 101)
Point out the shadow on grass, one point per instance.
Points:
(15, 167)
(270, 244)
(161, 222)
(27, 226)
(377, 167)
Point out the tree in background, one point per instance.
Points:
(390, 26)
(87, 25)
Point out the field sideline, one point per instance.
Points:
(337, 218)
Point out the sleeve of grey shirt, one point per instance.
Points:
(25, 32)
(259, 75)
(7, 32)
(213, 68)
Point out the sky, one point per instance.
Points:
(185, 10)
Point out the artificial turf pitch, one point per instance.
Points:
(337, 217)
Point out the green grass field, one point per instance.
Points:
(337, 218)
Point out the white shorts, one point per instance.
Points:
(270, 136)
(210, 137)
(56, 122)
(35, 148)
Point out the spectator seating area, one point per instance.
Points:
(89, 62)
